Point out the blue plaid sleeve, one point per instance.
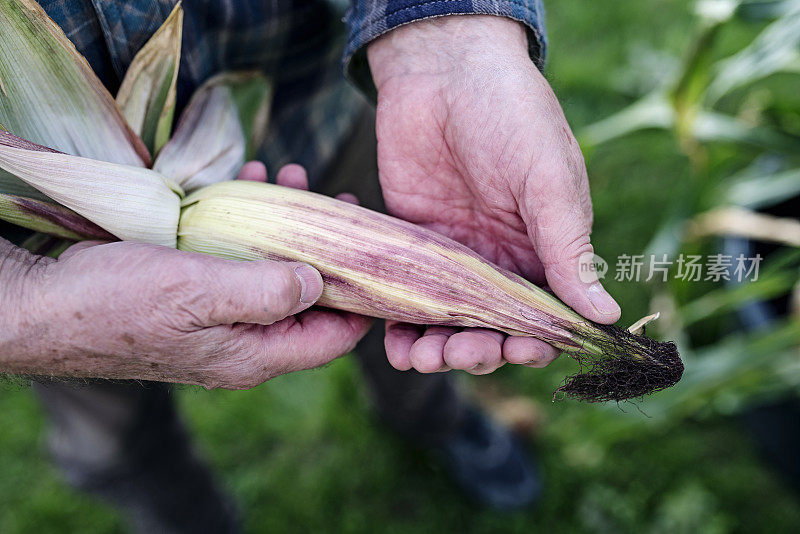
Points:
(369, 19)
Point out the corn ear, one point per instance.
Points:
(131, 203)
(376, 265)
(372, 264)
(147, 94)
(50, 95)
(225, 118)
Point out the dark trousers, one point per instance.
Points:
(112, 437)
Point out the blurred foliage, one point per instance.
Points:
(304, 452)
(711, 105)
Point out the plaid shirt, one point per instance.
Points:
(297, 43)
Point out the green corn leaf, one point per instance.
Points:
(711, 126)
(652, 111)
(759, 191)
(775, 49)
(728, 300)
(49, 94)
(757, 10)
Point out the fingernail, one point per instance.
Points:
(601, 300)
(310, 283)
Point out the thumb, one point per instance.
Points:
(259, 292)
(79, 246)
(561, 240)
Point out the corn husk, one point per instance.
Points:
(11, 185)
(46, 245)
(50, 96)
(131, 203)
(148, 91)
(226, 117)
(376, 265)
(357, 248)
(50, 218)
(638, 327)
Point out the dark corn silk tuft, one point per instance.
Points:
(635, 366)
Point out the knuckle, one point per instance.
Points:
(579, 246)
(567, 252)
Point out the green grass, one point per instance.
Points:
(304, 451)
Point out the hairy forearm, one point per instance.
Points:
(20, 272)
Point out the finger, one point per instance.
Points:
(476, 351)
(427, 353)
(314, 337)
(398, 341)
(257, 353)
(559, 223)
(259, 292)
(292, 175)
(253, 171)
(528, 351)
(77, 247)
(348, 197)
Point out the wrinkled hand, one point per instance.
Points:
(129, 310)
(473, 143)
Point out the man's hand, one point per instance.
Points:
(128, 310)
(473, 143)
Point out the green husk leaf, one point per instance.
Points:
(49, 218)
(147, 94)
(130, 202)
(49, 94)
(655, 112)
(225, 120)
(46, 245)
(11, 185)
